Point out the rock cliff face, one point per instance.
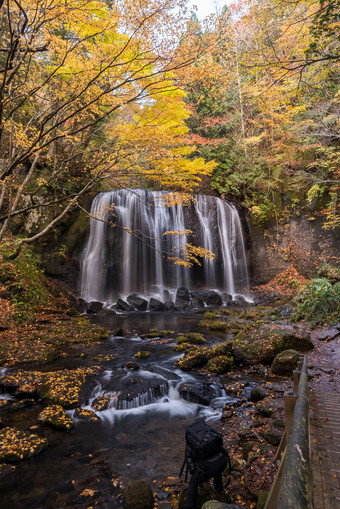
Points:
(302, 241)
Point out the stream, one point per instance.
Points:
(140, 435)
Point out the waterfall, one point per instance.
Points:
(128, 249)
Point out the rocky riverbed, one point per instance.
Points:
(95, 404)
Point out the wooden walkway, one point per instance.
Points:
(325, 444)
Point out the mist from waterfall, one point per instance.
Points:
(128, 249)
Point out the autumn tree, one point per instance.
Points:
(266, 117)
(70, 73)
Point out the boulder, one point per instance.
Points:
(156, 305)
(139, 392)
(199, 393)
(272, 436)
(285, 362)
(121, 305)
(81, 305)
(137, 302)
(263, 343)
(101, 403)
(86, 414)
(17, 445)
(138, 495)
(239, 300)
(64, 387)
(55, 416)
(220, 364)
(257, 394)
(227, 298)
(106, 313)
(169, 305)
(94, 306)
(212, 298)
(133, 366)
(182, 298)
(197, 303)
(195, 358)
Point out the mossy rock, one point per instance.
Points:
(194, 358)
(197, 357)
(22, 381)
(285, 362)
(155, 333)
(221, 364)
(64, 387)
(101, 403)
(215, 325)
(143, 354)
(85, 414)
(183, 347)
(224, 348)
(192, 338)
(261, 344)
(133, 366)
(138, 495)
(56, 417)
(16, 445)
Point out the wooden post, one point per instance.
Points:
(290, 398)
(296, 378)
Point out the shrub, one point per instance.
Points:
(318, 302)
(25, 283)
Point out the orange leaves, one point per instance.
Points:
(17, 445)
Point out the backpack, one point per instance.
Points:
(203, 440)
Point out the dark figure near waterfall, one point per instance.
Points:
(203, 470)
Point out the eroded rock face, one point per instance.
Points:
(138, 495)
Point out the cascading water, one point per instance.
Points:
(128, 247)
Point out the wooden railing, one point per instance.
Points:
(292, 486)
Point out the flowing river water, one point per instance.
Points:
(141, 437)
